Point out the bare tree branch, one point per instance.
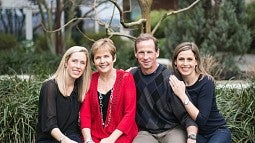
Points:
(111, 33)
(59, 29)
(86, 36)
(88, 12)
(184, 9)
(172, 12)
(122, 21)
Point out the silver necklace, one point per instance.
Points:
(110, 109)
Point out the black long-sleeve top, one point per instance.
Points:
(57, 111)
(158, 109)
(202, 95)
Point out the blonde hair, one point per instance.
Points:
(82, 82)
(104, 43)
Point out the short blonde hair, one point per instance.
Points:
(104, 43)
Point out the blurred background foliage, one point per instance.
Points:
(221, 31)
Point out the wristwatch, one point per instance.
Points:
(192, 136)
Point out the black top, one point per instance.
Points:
(105, 101)
(202, 95)
(57, 111)
(158, 109)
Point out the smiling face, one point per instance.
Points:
(146, 55)
(103, 60)
(76, 64)
(186, 63)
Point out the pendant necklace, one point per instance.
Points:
(110, 108)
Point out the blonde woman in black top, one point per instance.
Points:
(61, 96)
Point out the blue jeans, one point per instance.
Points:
(221, 135)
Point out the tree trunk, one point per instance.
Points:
(145, 6)
(58, 34)
(127, 10)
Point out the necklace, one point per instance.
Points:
(110, 109)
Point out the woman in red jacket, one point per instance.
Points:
(108, 112)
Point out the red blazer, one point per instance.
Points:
(123, 109)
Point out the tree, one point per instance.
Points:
(53, 26)
(144, 22)
(51, 19)
(218, 29)
(12, 21)
(250, 23)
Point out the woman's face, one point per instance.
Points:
(76, 64)
(186, 63)
(103, 60)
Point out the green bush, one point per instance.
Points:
(17, 62)
(215, 29)
(155, 17)
(238, 106)
(18, 110)
(7, 42)
(90, 38)
(41, 44)
(250, 23)
(125, 53)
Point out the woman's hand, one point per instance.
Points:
(107, 140)
(67, 140)
(177, 86)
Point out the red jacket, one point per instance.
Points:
(122, 111)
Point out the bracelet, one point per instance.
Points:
(62, 138)
(88, 141)
(192, 136)
(186, 102)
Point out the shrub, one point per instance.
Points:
(16, 62)
(155, 16)
(41, 44)
(8, 41)
(218, 28)
(18, 110)
(125, 53)
(90, 38)
(238, 106)
(250, 23)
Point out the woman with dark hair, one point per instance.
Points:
(196, 90)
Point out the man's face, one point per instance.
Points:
(146, 55)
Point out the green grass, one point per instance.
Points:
(18, 106)
(238, 106)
